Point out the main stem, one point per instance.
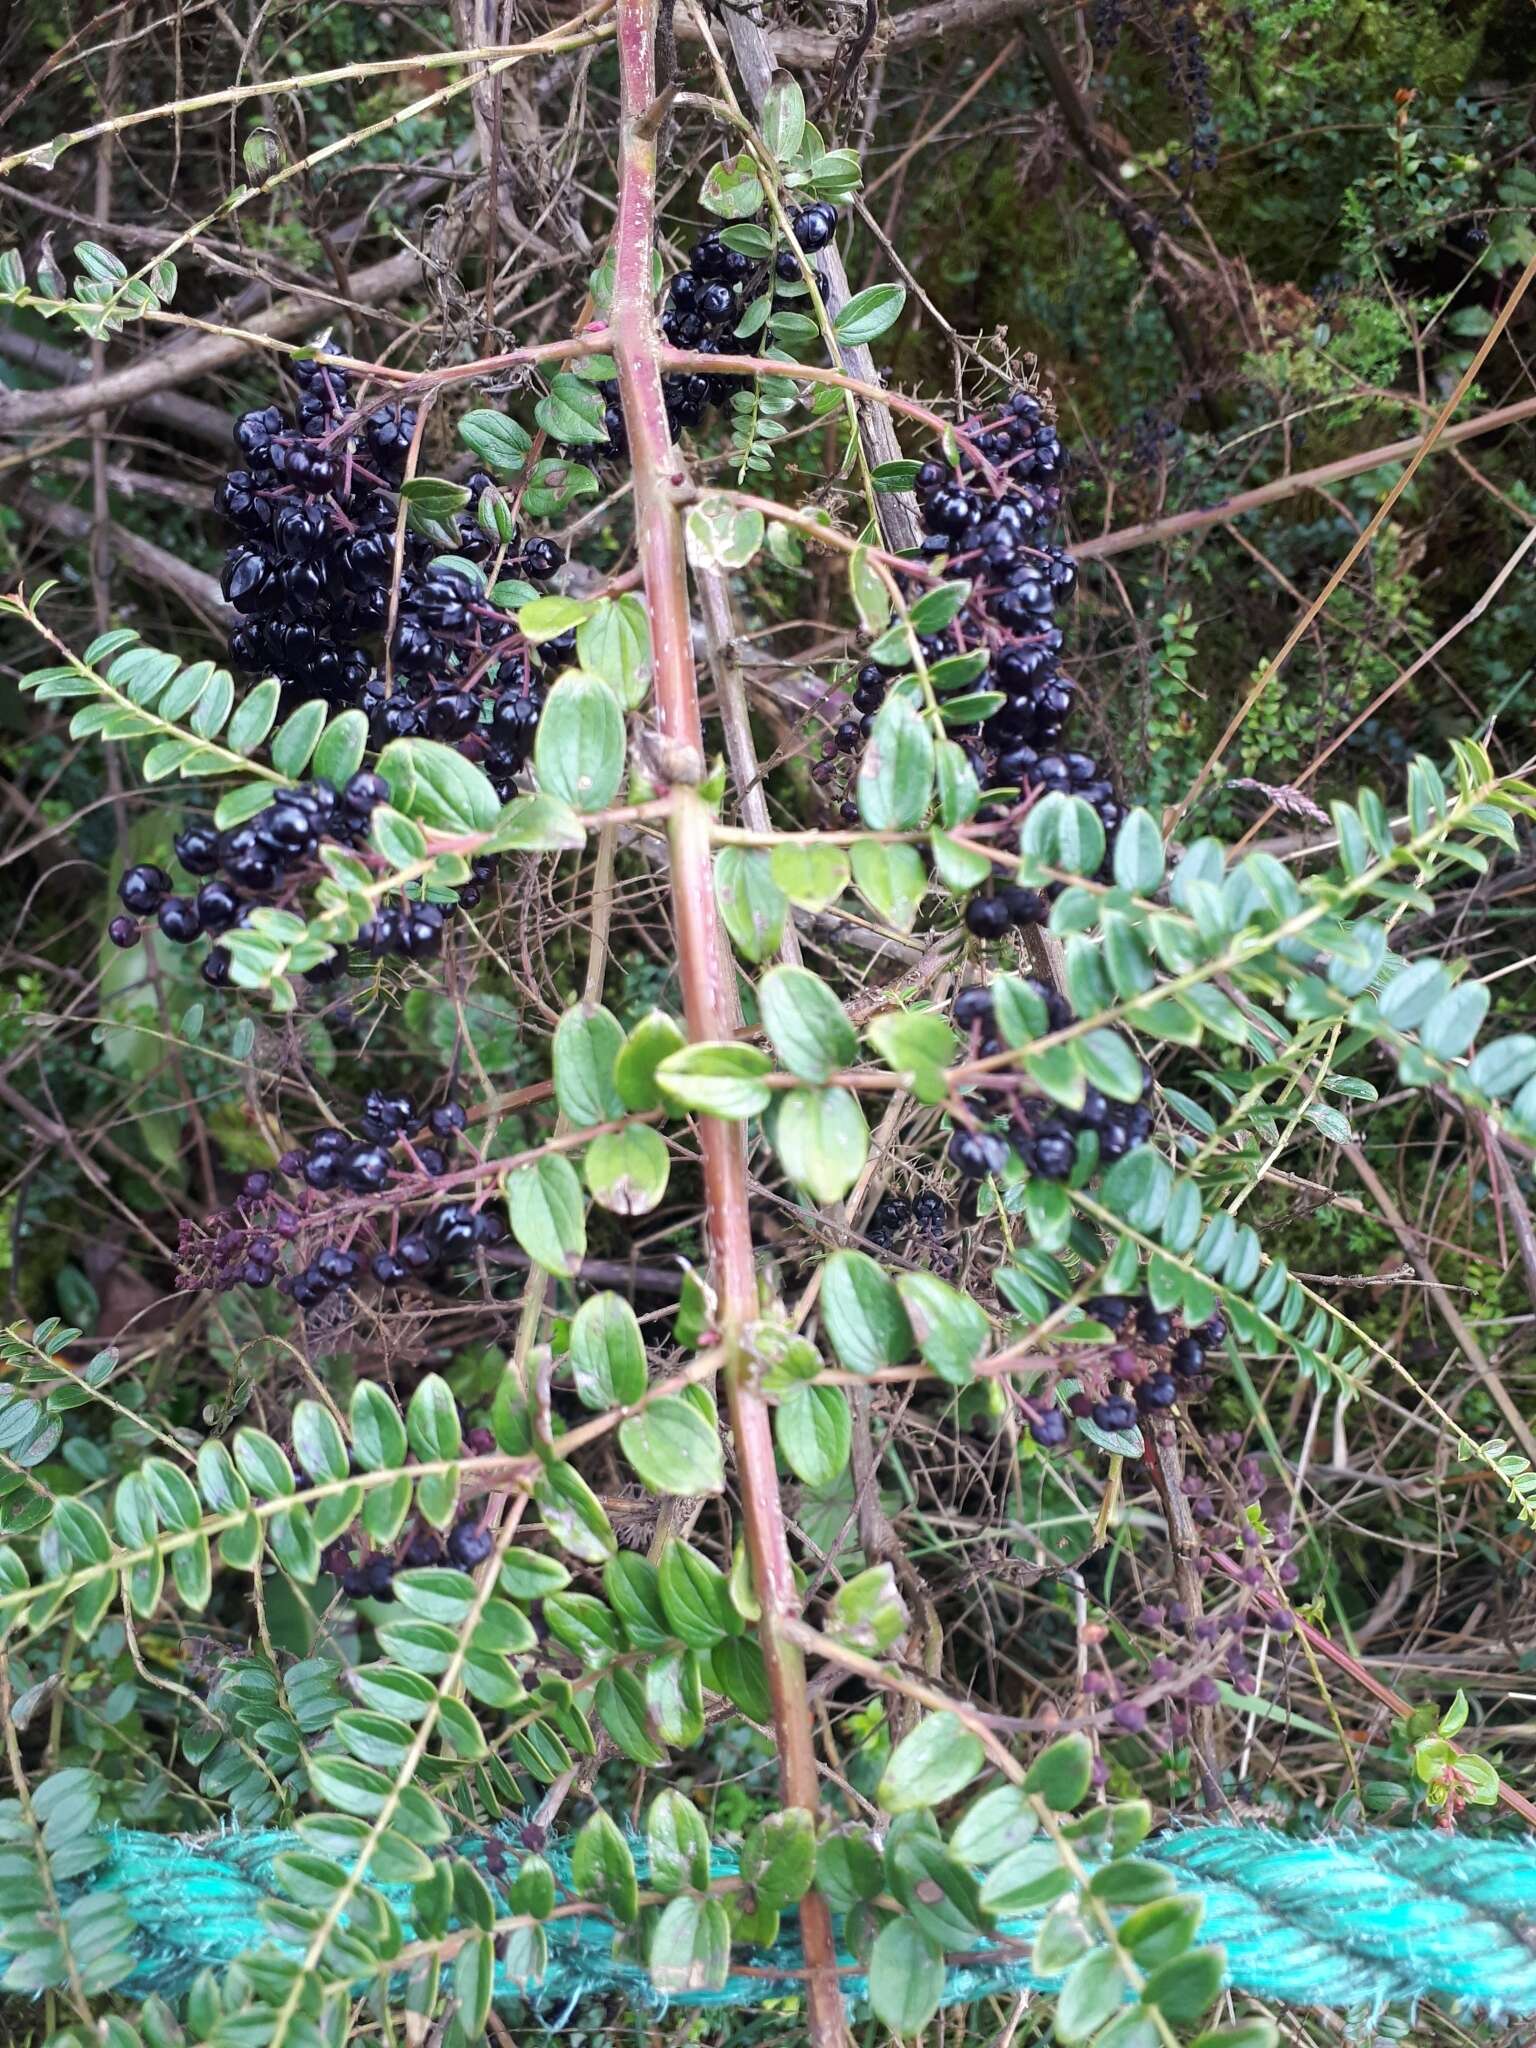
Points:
(703, 968)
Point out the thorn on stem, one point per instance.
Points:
(648, 127)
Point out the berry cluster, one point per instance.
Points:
(409, 927)
(702, 308)
(990, 515)
(1052, 1142)
(259, 862)
(997, 533)
(467, 1544)
(834, 772)
(1154, 1363)
(241, 1246)
(463, 673)
(314, 512)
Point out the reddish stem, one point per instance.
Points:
(1325, 1647)
(703, 969)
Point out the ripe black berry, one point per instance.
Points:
(217, 907)
(364, 1169)
(468, 1545)
(1152, 1325)
(987, 917)
(379, 1577)
(197, 848)
(387, 1117)
(541, 558)
(1187, 1357)
(1053, 1153)
(972, 1006)
(975, 1154)
(123, 931)
(814, 227)
(178, 919)
(1157, 1391)
(1115, 1413)
(1113, 1310)
(142, 889)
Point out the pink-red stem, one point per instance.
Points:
(1332, 1653)
(703, 967)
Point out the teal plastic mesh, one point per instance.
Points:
(1374, 1919)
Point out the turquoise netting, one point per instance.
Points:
(1389, 1917)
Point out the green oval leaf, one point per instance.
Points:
(721, 1078)
(805, 1023)
(936, 1760)
(607, 1353)
(896, 771)
(548, 1214)
(863, 1313)
(672, 1448)
(627, 1171)
(823, 1140)
(868, 314)
(578, 753)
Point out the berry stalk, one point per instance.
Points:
(703, 970)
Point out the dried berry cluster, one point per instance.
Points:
(400, 1150)
(927, 1213)
(1215, 1641)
